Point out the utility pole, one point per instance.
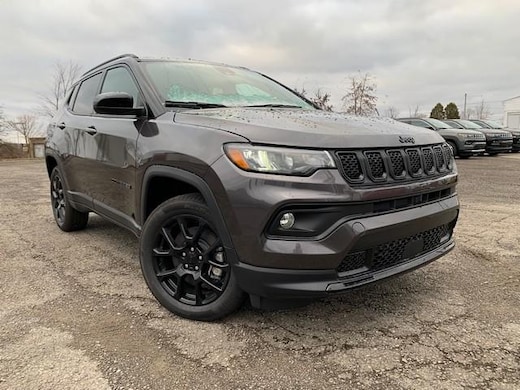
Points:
(465, 98)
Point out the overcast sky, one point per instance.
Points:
(420, 52)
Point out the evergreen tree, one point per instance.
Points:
(452, 111)
(438, 112)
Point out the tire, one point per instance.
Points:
(67, 217)
(454, 148)
(465, 156)
(184, 262)
(493, 154)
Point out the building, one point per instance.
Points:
(37, 147)
(512, 113)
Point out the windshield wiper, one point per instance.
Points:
(181, 104)
(275, 105)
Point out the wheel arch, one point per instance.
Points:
(190, 183)
(51, 162)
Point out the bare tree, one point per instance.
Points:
(482, 110)
(3, 129)
(392, 112)
(414, 112)
(360, 98)
(302, 92)
(322, 100)
(65, 74)
(24, 125)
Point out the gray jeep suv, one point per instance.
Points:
(236, 186)
(497, 141)
(465, 143)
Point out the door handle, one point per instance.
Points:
(91, 130)
(61, 125)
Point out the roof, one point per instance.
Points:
(146, 59)
(513, 98)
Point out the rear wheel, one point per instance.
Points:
(67, 217)
(184, 261)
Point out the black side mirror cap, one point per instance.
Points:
(117, 103)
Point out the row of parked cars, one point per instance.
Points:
(472, 137)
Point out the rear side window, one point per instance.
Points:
(120, 80)
(421, 123)
(86, 94)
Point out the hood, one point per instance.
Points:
(308, 128)
(515, 132)
(454, 131)
(493, 131)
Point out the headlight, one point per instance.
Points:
(286, 161)
(464, 135)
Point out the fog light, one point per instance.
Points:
(287, 221)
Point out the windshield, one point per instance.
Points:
(494, 125)
(469, 124)
(217, 85)
(438, 124)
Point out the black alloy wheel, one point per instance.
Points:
(184, 261)
(67, 217)
(58, 200)
(189, 261)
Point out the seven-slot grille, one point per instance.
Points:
(366, 167)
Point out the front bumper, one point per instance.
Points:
(471, 147)
(367, 249)
(516, 143)
(499, 145)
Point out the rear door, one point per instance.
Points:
(74, 121)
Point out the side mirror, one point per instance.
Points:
(116, 103)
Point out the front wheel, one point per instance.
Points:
(184, 262)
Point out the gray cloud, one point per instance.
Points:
(420, 52)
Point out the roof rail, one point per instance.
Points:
(108, 61)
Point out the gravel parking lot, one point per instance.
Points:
(76, 314)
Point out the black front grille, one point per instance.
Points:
(352, 167)
(415, 161)
(428, 160)
(397, 163)
(370, 167)
(439, 156)
(392, 253)
(376, 165)
(353, 261)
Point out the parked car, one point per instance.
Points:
(465, 143)
(495, 125)
(497, 141)
(235, 184)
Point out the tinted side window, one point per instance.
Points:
(120, 80)
(85, 96)
(421, 123)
